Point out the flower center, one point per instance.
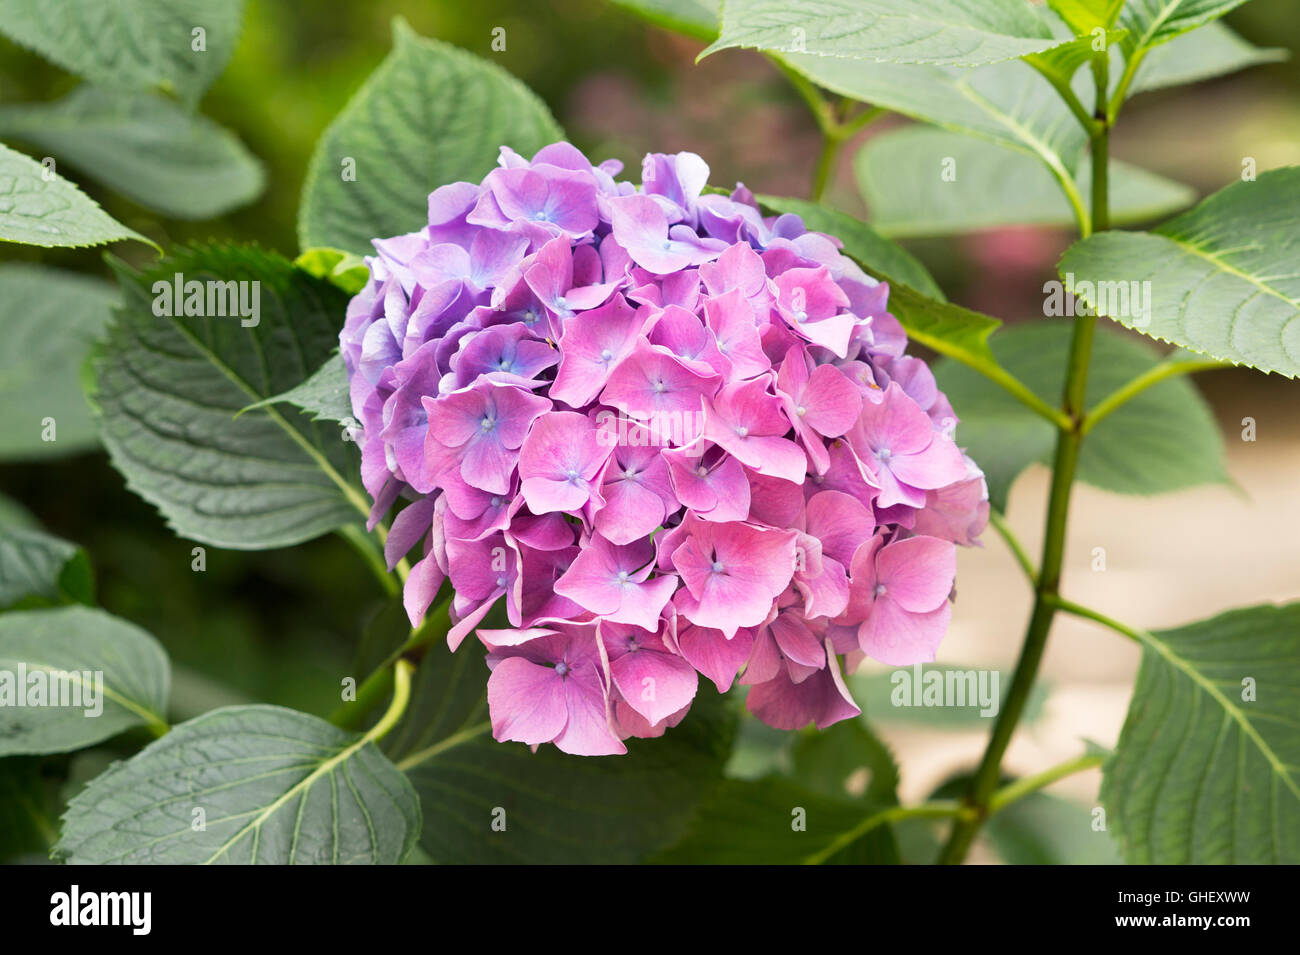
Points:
(880, 590)
(562, 668)
(717, 567)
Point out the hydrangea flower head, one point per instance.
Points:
(670, 436)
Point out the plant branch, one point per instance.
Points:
(1013, 543)
(1087, 613)
(929, 810)
(1031, 784)
(376, 687)
(401, 696)
(1152, 376)
(1046, 593)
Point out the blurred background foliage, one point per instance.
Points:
(282, 626)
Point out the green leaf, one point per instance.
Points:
(1223, 277)
(13, 516)
(927, 31)
(51, 318)
(39, 570)
(558, 808)
(117, 678)
(169, 389)
(40, 207)
(1042, 829)
(697, 18)
(29, 811)
(428, 116)
(324, 395)
(1152, 22)
(846, 760)
(349, 272)
(895, 697)
(1084, 16)
(756, 822)
(145, 146)
(903, 178)
(1007, 103)
(1162, 440)
(275, 786)
(132, 44)
(1213, 50)
(1207, 769)
(882, 258)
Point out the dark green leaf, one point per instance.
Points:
(1207, 768)
(170, 387)
(51, 319)
(430, 115)
(145, 146)
(116, 678)
(557, 808)
(246, 785)
(133, 44)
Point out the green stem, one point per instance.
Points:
(929, 810)
(831, 145)
(401, 696)
(1031, 784)
(1087, 613)
(1046, 593)
(1013, 543)
(375, 688)
(1153, 376)
(455, 739)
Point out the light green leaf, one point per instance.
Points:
(1152, 22)
(1042, 829)
(1207, 769)
(907, 180)
(559, 808)
(1084, 16)
(117, 678)
(1213, 50)
(144, 146)
(697, 18)
(428, 116)
(1007, 103)
(1223, 276)
(1162, 440)
(170, 387)
(324, 395)
(40, 207)
(349, 272)
(40, 570)
(13, 516)
(132, 44)
(50, 319)
(276, 787)
(880, 257)
(924, 31)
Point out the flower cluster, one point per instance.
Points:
(677, 437)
